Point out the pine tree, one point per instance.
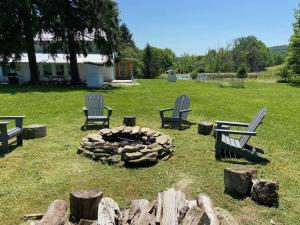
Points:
(293, 58)
(148, 62)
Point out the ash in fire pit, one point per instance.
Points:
(127, 145)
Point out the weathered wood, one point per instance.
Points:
(169, 215)
(238, 181)
(180, 201)
(195, 216)
(84, 204)
(34, 131)
(205, 128)
(205, 203)
(159, 208)
(108, 212)
(56, 214)
(147, 215)
(136, 208)
(225, 218)
(33, 216)
(87, 222)
(129, 121)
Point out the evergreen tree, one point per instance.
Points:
(293, 57)
(242, 71)
(126, 36)
(19, 24)
(148, 62)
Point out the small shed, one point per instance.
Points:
(124, 68)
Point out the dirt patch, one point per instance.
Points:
(183, 183)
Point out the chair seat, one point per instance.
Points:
(13, 132)
(231, 141)
(99, 118)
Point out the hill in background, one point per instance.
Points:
(281, 50)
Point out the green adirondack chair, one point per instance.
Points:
(93, 110)
(7, 134)
(228, 147)
(179, 115)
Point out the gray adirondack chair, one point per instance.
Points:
(7, 134)
(93, 110)
(179, 115)
(227, 146)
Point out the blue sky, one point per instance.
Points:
(194, 26)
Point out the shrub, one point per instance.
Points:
(194, 74)
(295, 80)
(283, 74)
(242, 71)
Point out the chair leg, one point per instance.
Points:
(20, 140)
(5, 147)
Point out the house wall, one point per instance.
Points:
(24, 71)
(1, 74)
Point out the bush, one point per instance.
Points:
(283, 74)
(194, 74)
(295, 80)
(242, 71)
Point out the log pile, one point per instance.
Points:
(169, 208)
(126, 145)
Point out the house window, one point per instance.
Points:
(47, 69)
(59, 69)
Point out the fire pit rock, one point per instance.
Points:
(127, 145)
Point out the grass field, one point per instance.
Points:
(46, 169)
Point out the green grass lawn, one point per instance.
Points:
(46, 169)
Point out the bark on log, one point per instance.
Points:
(87, 222)
(56, 214)
(195, 216)
(35, 216)
(205, 128)
(169, 216)
(84, 204)
(147, 216)
(34, 131)
(108, 212)
(136, 208)
(205, 203)
(159, 208)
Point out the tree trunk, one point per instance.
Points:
(56, 214)
(73, 59)
(29, 43)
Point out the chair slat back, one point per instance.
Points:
(94, 103)
(182, 103)
(253, 126)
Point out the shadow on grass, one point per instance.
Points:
(244, 162)
(14, 89)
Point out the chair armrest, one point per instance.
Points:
(236, 132)
(109, 110)
(183, 111)
(233, 123)
(11, 117)
(165, 110)
(4, 123)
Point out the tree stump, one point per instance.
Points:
(56, 214)
(84, 204)
(265, 192)
(129, 121)
(238, 182)
(34, 131)
(205, 128)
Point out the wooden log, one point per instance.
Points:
(159, 208)
(84, 204)
(169, 216)
(33, 216)
(205, 128)
(225, 217)
(195, 216)
(87, 222)
(56, 214)
(205, 203)
(147, 216)
(34, 131)
(129, 121)
(108, 212)
(136, 208)
(180, 201)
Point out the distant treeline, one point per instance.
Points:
(249, 51)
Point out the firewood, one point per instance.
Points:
(147, 215)
(108, 212)
(84, 204)
(136, 208)
(159, 208)
(205, 203)
(169, 216)
(56, 214)
(35, 216)
(195, 216)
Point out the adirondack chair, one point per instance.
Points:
(180, 113)
(7, 134)
(227, 146)
(93, 110)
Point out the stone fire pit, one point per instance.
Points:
(127, 145)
